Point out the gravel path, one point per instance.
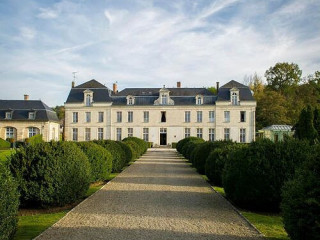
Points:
(158, 197)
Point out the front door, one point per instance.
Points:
(163, 136)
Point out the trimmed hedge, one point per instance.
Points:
(100, 160)
(134, 148)
(117, 153)
(35, 139)
(253, 175)
(128, 151)
(190, 146)
(51, 174)
(4, 144)
(301, 201)
(143, 145)
(184, 141)
(9, 203)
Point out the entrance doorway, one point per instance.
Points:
(163, 136)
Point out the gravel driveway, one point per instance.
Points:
(158, 197)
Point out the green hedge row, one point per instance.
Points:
(4, 144)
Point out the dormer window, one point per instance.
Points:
(164, 99)
(199, 99)
(88, 100)
(130, 100)
(234, 96)
(32, 115)
(88, 97)
(8, 115)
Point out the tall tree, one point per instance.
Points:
(283, 77)
(304, 129)
(316, 121)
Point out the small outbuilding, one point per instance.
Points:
(276, 132)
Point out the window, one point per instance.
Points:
(199, 100)
(146, 116)
(9, 132)
(130, 116)
(164, 99)
(199, 116)
(146, 134)
(187, 132)
(211, 134)
(88, 117)
(130, 101)
(234, 98)
(119, 117)
(32, 131)
(163, 117)
(119, 134)
(32, 115)
(87, 134)
(75, 117)
(227, 134)
(242, 116)
(130, 132)
(8, 115)
(88, 100)
(199, 132)
(187, 116)
(100, 117)
(100, 133)
(75, 134)
(226, 116)
(243, 135)
(211, 116)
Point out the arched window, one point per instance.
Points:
(164, 99)
(130, 102)
(234, 98)
(33, 131)
(199, 100)
(88, 100)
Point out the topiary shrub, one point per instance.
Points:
(190, 146)
(35, 139)
(184, 141)
(100, 160)
(51, 174)
(143, 144)
(9, 203)
(135, 149)
(253, 175)
(4, 144)
(301, 200)
(117, 153)
(127, 150)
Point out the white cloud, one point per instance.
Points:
(47, 13)
(27, 33)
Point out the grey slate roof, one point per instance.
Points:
(147, 96)
(20, 110)
(284, 128)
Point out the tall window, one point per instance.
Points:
(130, 132)
(130, 116)
(87, 134)
(32, 131)
(88, 100)
(9, 132)
(227, 134)
(211, 116)
(164, 99)
(146, 116)
(100, 117)
(226, 116)
(243, 135)
(75, 134)
(199, 132)
(88, 117)
(199, 100)
(199, 116)
(100, 133)
(8, 115)
(119, 133)
(187, 116)
(187, 132)
(146, 134)
(32, 115)
(234, 98)
(211, 134)
(75, 117)
(130, 101)
(163, 117)
(119, 117)
(242, 116)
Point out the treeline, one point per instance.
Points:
(284, 95)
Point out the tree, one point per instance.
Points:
(212, 90)
(304, 129)
(60, 112)
(283, 76)
(316, 121)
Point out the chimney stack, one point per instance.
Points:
(72, 84)
(178, 84)
(26, 97)
(115, 88)
(217, 87)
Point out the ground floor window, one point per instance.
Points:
(187, 132)
(199, 132)
(227, 134)
(211, 134)
(130, 132)
(100, 133)
(9, 132)
(75, 134)
(119, 131)
(88, 134)
(33, 131)
(146, 134)
(243, 135)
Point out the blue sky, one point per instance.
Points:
(149, 43)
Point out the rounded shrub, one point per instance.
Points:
(301, 200)
(135, 148)
(190, 146)
(127, 150)
(253, 176)
(4, 144)
(51, 174)
(143, 144)
(100, 160)
(117, 153)
(9, 203)
(182, 142)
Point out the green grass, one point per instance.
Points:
(220, 190)
(4, 154)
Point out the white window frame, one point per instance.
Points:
(211, 134)
(242, 135)
(119, 134)
(74, 134)
(87, 134)
(100, 117)
(130, 116)
(164, 99)
(199, 100)
(226, 134)
(199, 133)
(75, 116)
(146, 134)
(130, 132)
(187, 132)
(211, 116)
(227, 116)
(8, 115)
(88, 117)
(32, 115)
(234, 98)
(199, 116)
(146, 116)
(100, 134)
(32, 131)
(187, 116)
(9, 132)
(88, 100)
(119, 117)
